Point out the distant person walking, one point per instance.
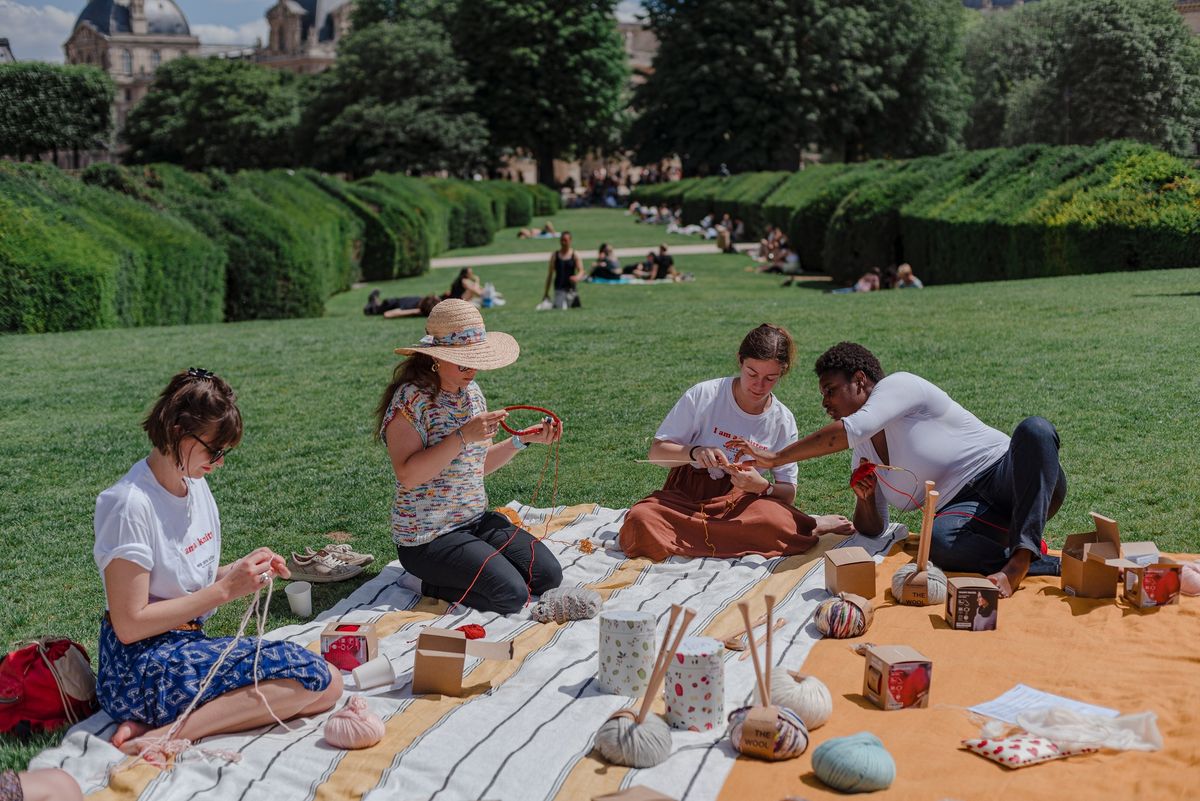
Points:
(565, 272)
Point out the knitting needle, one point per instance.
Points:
(657, 678)
(762, 690)
(780, 623)
(766, 699)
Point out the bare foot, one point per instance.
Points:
(126, 731)
(1012, 574)
(832, 524)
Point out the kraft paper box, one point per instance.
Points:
(1090, 561)
(1152, 585)
(971, 604)
(1140, 553)
(897, 677)
(441, 655)
(349, 642)
(850, 570)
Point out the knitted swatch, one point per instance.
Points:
(563, 604)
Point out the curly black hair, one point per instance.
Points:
(848, 358)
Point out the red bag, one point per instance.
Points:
(45, 684)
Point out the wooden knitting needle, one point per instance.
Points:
(780, 623)
(770, 599)
(657, 678)
(762, 690)
(676, 609)
(927, 514)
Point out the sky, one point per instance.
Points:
(37, 29)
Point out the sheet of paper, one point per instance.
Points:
(1023, 698)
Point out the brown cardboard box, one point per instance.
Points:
(1140, 553)
(850, 570)
(441, 655)
(356, 640)
(972, 604)
(1152, 585)
(897, 677)
(1089, 561)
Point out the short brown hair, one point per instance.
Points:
(194, 402)
(769, 342)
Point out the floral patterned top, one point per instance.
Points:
(455, 496)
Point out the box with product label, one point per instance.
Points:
(349, 645)
(850, 570)
(441, 656)
(897, 677)
(972, 604)
(1154, 584)
(1090, 561)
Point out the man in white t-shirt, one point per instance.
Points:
(995, 492)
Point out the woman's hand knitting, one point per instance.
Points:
(545, 434)
(247, 574)
(482, 427)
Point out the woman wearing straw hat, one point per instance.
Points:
(434, 421)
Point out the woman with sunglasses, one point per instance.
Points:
(158, 549)
(434, 421)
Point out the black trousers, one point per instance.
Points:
(448, 564)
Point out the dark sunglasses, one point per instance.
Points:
(214, 454)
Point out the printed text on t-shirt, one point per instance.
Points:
(727, 435)
(197, 543)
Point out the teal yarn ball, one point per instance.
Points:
(855, 764)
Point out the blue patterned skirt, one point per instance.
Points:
(153, 680)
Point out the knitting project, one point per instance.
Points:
(563, 604)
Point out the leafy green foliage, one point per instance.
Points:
(1083, 71)
(550, 75)
(53, 107)
(396, 100)
(216, 113)
(471, 220)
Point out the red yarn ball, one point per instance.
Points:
(473, 631)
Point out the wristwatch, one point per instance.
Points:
(517, 443)
(770, 490)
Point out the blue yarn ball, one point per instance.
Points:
(855, 764)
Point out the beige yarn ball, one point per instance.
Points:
(936, 583)
(354, 726)
(807, 696)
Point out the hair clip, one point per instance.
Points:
(197, 372)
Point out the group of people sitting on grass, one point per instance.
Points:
(730, 444)
(776, 254)
(728, 231)
(657, 266)
(465, 286)
(874, 279)
(654, 215)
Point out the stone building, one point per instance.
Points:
(1190, 9)
(129, 39)
(305, 34)
(6, 53)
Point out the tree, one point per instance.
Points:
(50, 107)
(396, 100)
(550, 75)
(372, 12)
(1091, 70)
(216, 113)
(719, 93)
(1002, 53)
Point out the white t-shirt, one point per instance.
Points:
(928, 433)
(708, 415)
(177, 539)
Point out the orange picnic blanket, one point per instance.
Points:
(1098, 651)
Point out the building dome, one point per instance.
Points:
(163, 17)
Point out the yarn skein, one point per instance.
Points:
(354, 726)
(566, 603)
(843, 616)
(624, 741)
(807, 696)
(791, 740)
(1189, 578)
(935, 582)
(855, 764)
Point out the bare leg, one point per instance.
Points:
(243, 709)
(1012, 574)
(49, 785)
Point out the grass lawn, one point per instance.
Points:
(588, 227)
(1110, 359)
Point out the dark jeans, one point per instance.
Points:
(447, 565)
(1016, 496)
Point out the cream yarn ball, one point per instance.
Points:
(807, 696)
(936, 582)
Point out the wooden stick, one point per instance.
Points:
(780, 623)
(658, 661)
(657, 679)
(663, 462)
(737, 642)
(770, 627)
(927, 513)
(762, 692)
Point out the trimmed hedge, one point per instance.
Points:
(973, 216)
(78, 256)
(512, 204)
(385, 251)
(472, 222)
(545, 199)
(418, 196)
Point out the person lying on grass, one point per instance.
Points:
(710, 505)
(434, 421)
(158, 549)
(996, 492)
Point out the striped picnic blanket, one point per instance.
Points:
(523, 729)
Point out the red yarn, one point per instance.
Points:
(473, 631)
(531, 429)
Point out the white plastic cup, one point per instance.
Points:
(375, 673)
(299, 595)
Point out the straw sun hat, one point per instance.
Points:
(454, 333)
